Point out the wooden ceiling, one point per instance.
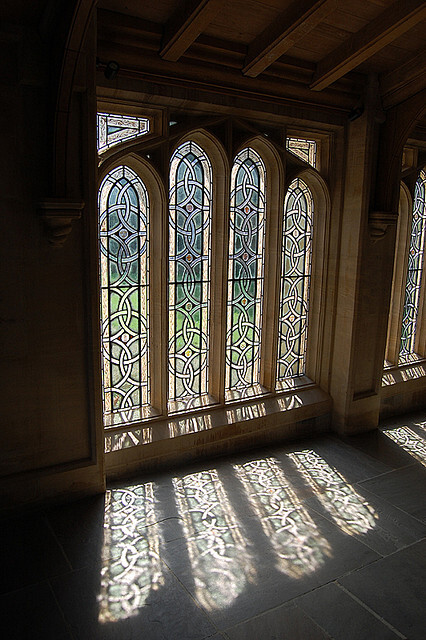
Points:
(314, 46)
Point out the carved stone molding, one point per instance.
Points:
(380, 221)
(58, 215)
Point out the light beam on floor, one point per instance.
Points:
(218, 551)
(299, 547)
(131, 567)
(349, 510)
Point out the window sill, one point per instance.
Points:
(397, 376)
(214, 430)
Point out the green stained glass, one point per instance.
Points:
(123, 220)
(245, 271)
(189, 271)
(295, 280)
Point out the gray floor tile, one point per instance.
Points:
(78, 526)
(31, 553)
(370, 519)
(343, 617)
(259, 562)
(394, 587)
(404, 488)
(238, 547)
(142, 607)
(284, 623)
(32, 614)
(352, 463)
(410, 437)
(378, 446)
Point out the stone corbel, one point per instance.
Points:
(379, 223)
(58, 214)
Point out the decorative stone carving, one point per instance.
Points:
(379, 222)
(58, 215)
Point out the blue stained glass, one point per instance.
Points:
(189, 271)
(295, 280)
(123, 220)
(245, 271)
(416, 255)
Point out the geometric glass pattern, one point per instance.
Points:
(304, 149)
(295, 280)
(416, 256)
(189, 271)
(124, 275)
(245, 271)
(113, 129)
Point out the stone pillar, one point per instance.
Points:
(364, 281)
(369, 218)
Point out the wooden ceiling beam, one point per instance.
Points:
(290, 26)
(389, 25)
(404, 81)
(186, 25)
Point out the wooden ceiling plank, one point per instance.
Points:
(186, 25)
(401, 83)
(389, 25)
(290, 26)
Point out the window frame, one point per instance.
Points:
(156, 182)
(396, 308)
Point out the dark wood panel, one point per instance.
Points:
(158, 11)
(290, 27)
(384, 29)
(347, 22)
(242, 21)
(186, 25)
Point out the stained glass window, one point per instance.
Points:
(124, 274)
(113, 129)
(304, 149)
(416, 255)
(189, 271)
(295, 280)
(245, 271)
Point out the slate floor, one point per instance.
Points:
(322, 538)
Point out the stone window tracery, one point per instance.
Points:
(194, 330)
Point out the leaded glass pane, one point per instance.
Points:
(295, 280)
(113, 129)
(245, 271)
(415, 270)
(123, 220)
(189, 271)
(304, 149)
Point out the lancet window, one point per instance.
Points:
(415, 267)
(194, 311)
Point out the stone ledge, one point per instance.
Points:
(216, 432)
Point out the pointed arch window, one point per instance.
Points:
(189, 271)
(196, 310)
(416, 256)
(245, 271)
(295, 280)
(124, 281)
